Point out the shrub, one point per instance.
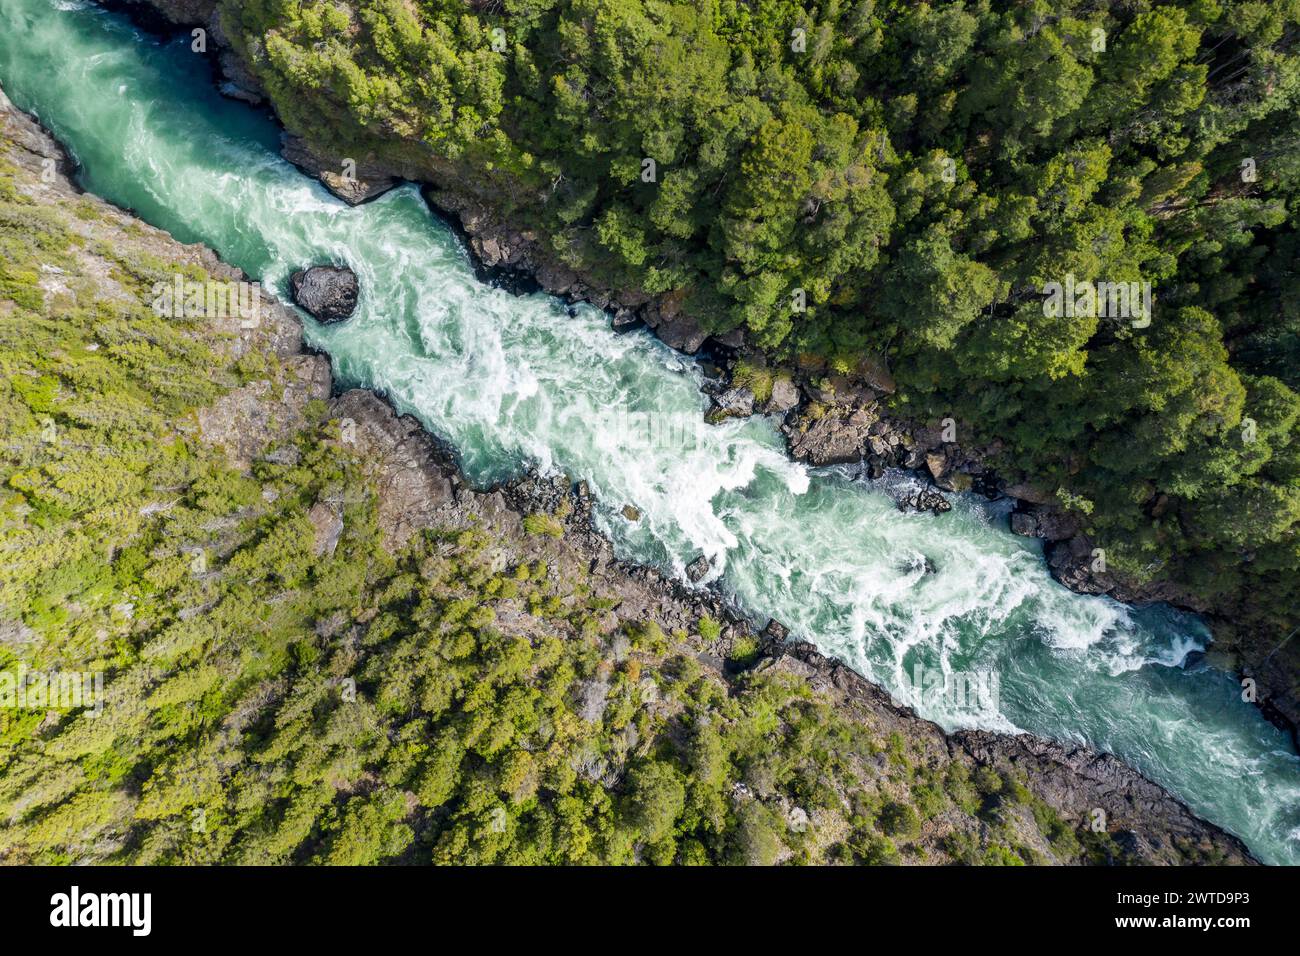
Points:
(540, 523)
(899, 820)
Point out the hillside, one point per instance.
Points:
(873, 201)
(311, 642)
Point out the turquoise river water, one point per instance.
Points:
(513, 381)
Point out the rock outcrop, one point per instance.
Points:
(833, 437)
(732, 403)
(354, 180)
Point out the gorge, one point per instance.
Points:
(512, 382)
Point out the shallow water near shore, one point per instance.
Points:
(915, 602)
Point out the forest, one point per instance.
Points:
(266, 694)
(898, 182)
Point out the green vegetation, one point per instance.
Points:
(914, 174)
(270, 699)
(544, 524)
(757, 378)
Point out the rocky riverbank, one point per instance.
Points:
(828, 417)
(439, 492)
(419, 487)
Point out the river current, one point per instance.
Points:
(953, 614)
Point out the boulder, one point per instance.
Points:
(682, 333)
(955, 481)
(327, 524)
(734, 339)
(874, 370)
(353, 186)
(328, 293)
(775, 630)
(1024, 524)
(1046, 523)
(697, 569)
(625, 320)
(785, 396)
(402, 461)
(733, 403)
(556, 279)
(927, 499)
(1027, 492)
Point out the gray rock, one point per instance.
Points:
(874, 370)
(1046, 523)
(775, 630)
(329, 527)
(927, 499)
(593, 697)
(353, 186)
(284, 455)
(785, 396)
(733, 403)
(328, 293)
(697, 569)
(625, 320)
(838, 437)
(555, 278)
(733, 340)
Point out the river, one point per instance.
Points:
(917, 603)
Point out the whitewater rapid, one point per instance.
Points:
(515, 381)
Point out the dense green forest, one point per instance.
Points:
(857, 181)
(269, 693)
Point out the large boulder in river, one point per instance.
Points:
(698, 569)
(329, 293)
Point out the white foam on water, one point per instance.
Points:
(513, 380)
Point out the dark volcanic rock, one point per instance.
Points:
(329, 293)
(697, 569)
